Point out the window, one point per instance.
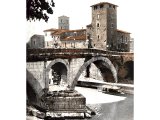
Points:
(110, 6)
(98, 37)
(97, 24)
(114, 6)
(95, 7)
(34, 42)
(61, 20)
(61, 27)
(112, 25)
(122, 39)
(126, 40)
(101, 6)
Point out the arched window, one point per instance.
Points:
(97, 24)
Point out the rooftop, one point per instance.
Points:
(90, 25)
(80, 37)
(50, 30)
(123, 31)
(63, 16)
(103, 3)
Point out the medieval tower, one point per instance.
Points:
(63, 22)
(103, 28)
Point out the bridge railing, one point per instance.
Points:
(74, 51)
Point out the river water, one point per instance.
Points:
(106, 106)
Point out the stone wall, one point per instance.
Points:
(37, 70)
(74, 65)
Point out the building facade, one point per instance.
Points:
(103, 25)
(36, 41)
(123, 39)
(103, 30)
(62, 38)
(102, 33)
(63, 22)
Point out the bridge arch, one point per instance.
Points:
(103, 63)
(129, 65)
(61, 67)
(34, 89)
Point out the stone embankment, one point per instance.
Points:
(107, 87)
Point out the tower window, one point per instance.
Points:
(98, 37)
(97, 24)
(61, 20)
(95, 7)
(110, 6)
(113, 6)
(112, 25)
(101, 6)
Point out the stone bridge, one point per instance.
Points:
(69, 64)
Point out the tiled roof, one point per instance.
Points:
(123, 31)
(37, 36)
(81, 37)
(90, 25)
(104, 3)
(59, 31)
(50, 30)
(63, 16)
(78, 30)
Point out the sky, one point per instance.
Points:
(79, 12)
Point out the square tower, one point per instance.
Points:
(63, 22)
(104, 26)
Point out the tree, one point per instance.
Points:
(39, 9)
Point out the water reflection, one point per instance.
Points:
(121, 110)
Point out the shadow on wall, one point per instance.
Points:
(126, 72)
(34, 90)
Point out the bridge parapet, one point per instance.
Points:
(50, 53)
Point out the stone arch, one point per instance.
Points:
(98, 61)
(48, 68)
(34, 89)
(130, 68)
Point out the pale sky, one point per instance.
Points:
(79, 12)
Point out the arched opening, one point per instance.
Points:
(129, 65)
(58, 73)
(126, 72)
(107, 69)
